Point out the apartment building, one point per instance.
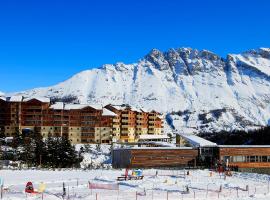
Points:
(81, 123)
(132, 123)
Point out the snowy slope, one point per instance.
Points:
(197, 90)
(169, 184)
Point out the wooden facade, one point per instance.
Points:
(5, 115)
(242, 157)
(154, 157)
(245, 156)
(80, 123)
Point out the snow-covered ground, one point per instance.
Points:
(169, 184)
(95, 156)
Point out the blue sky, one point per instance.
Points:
(45, 42)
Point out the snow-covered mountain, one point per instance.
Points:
(197, 90)
(2, 93)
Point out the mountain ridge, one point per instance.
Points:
(197, 90)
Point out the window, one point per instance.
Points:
(225, 158)
(238, 158)
(264, 158)
(252, 158)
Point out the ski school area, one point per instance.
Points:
(134, 185)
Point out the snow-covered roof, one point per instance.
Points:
(96, 106)
(41, 99)
(167, 148)
(57, 106)
(144, 110)
(61, 105)
(120, 107)
(107, 112)
(75, 106)
(149, 137)
(135, 109)
(197, 141)
(16, 98)
(244, 146)
(125, 107)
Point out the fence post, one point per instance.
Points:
(194, 195)
(96, 196)
(167, 195)
(136, 195)
(237, 192)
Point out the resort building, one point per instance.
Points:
(131, 123)
(81, 123)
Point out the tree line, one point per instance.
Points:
(239, 137)
(35, 151)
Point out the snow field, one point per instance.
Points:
(169, 184)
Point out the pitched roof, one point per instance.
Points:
(107, 112)
(197, 141)
(15, 99)
(41, 99)
(62, 105)
(75, 106)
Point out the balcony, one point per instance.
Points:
(152, 117)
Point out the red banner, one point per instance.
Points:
(108, 186)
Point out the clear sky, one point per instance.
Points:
(45, 42)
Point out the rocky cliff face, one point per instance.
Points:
(196, 90)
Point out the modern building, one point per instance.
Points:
(149, 157)
(195, 152)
